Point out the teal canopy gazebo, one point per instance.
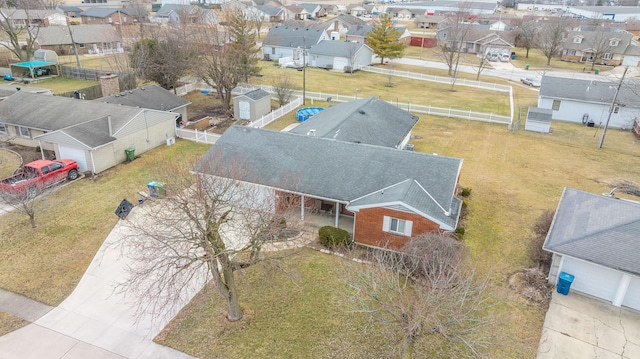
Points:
(35, 68)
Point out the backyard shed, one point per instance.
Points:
(251, 105)
(538, 120)
(46, 55)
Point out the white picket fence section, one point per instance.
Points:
(438, 79)
(197, 136)
(276, 114)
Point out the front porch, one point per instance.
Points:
(321, 219)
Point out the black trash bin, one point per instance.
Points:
(564, 283)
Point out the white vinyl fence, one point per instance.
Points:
(197, 136)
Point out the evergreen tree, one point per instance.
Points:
(383, 39)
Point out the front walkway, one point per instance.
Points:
(578, 326)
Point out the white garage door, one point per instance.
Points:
(592, 279)
(74, 154)
(632, 298)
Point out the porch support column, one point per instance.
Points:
(622, 290)
(302, 207)
(337, 213)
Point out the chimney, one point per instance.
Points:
(109, 85)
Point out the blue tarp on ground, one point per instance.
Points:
(33, 64)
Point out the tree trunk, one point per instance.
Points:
(407, 348)
(233, 309)
(32, 219)
(527, 55)
(382, 61)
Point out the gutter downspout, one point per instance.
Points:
(41, 149)
(93, 163)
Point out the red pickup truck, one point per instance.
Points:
(40, 174)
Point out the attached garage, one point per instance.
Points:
(596, 238)
(76, 154)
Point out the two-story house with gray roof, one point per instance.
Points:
(286, 41)
(387, 195)
(582, 101)
(596, 238)
(340, 55)
(608, 46)
(94, 134)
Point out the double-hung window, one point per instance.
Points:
(397, 226)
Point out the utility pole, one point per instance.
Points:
(613, 104)
(304, 69)
(75, 49)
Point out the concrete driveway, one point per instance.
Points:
(578, 326)
(96, 321)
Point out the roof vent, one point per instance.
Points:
(311, 133)
(361, 112)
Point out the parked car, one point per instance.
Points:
(39, 174)
(504, 57)
(530, 81)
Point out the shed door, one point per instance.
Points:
(245, 110)
(75, 154)
(592, 279)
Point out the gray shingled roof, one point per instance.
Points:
(589, 37)
(99, 12)
(539, 114)
(349, 20)
(285, 36)
(335, 48)
(359, 30)
(589, 90)
(369, 120)
(82, 34)
(256, 94)
(53, 113)
(270, 10)
(337, 170)
(152, 97)
(597, 229)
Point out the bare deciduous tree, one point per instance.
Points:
(28, 202)
(600, 43)
(20, 35)
(425, 290)
(551, 37)
(204, 224)
(482, 64)
(283, 86)
(456, 34)
(526, 37)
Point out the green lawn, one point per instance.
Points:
(62, 84)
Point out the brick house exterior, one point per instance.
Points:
(583, 46)
(370, 227)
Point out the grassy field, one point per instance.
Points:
(9, 162)
(47, 262)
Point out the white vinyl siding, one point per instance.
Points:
(397, 226)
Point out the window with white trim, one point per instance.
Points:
(614, 42)
(397, 226)
(24, 131)
(607, 56)
(571, 52)
(556, 105)
(577, 40)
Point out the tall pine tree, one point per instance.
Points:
(383, 39)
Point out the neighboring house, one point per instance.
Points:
(20, 18)
(356, 10)
(631, 56)
(596, 238)
(71, 11)
(89, 39)
(428, 22)
(334, 28)
(185, 14)
(151, 97)
(404, 13)
(347, 20)
(582, 46)
(340, 55)
(479, 40)
(580, 101)
(369, 120)
(272, 14)
(285, 41)
(8, 90)
(390, 195)
(315, 11)
(110, 16)
(92, 133)
(251, 105)
(296, 12)
(359, 33)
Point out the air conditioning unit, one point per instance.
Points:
(171, 141)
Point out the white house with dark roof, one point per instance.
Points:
(340, 55)
(151, 97)
(369, 120)
(286, 41)
(388, 195)
(93, 133)
(596, 239)
(580, 101)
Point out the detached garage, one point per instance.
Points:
(596, 238)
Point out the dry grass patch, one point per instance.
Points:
(62, 84)
(9, 162)
(9, 323)
(47, 262)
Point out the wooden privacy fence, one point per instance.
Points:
(87, 74)
(87, 93)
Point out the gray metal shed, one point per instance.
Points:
(251, 105)
(538, 120)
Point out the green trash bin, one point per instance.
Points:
(597, 71)
(526, 67)
(130, 152)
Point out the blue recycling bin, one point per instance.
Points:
(564, 283)
(152, 188)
